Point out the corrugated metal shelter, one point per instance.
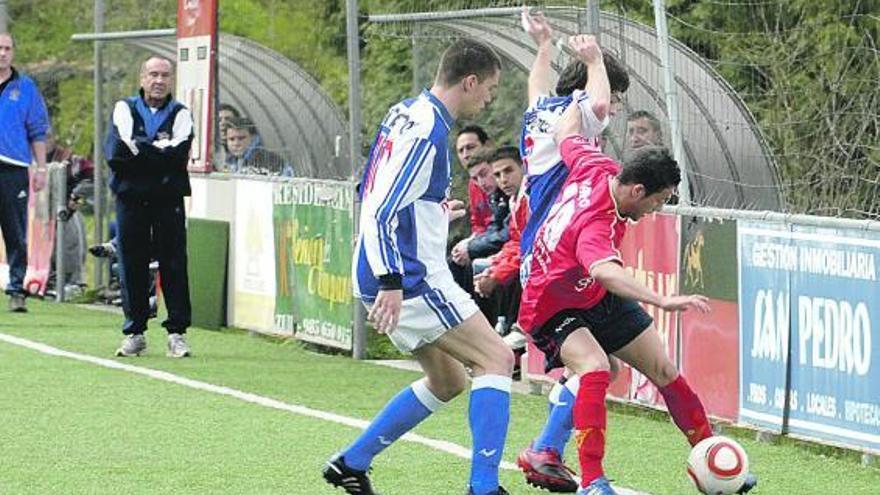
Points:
(729, 162)
(293, 114)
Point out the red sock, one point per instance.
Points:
(686, 410)
(590, 419)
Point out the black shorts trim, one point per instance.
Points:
(614, 323)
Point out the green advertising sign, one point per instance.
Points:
(708, 258)
(313, 249)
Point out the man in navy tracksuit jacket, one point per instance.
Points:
(147, 148)
(23, 126)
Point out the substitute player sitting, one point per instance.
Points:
(580, 305)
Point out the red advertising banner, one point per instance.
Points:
(650, 254)
(196, 63)
(41, 238)
(40, 241)
(196, 18)
(710, 357)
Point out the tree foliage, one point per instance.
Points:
(807, 69)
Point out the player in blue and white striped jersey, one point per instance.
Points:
(546, 172)
(400, 274)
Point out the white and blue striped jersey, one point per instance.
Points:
(404, 220)
(545, 170)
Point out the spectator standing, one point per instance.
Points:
(147, 147)
(24, 122)
(643, 129)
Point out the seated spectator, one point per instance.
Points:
(469, 255)
(225, 113)
(471, 141)
(642, 129)
(246, 154)
(494, 235)
(501, 278)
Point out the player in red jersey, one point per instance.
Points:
(580, 304)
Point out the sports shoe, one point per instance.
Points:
(354, 482)
(17, 303)
(132, 345)
(750, 482)
(104, 250)
(499, 491)
(177, 346)
(544, 469)
(599, 486)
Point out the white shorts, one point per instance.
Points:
(426, 318)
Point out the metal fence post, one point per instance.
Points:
(58, 204)
(98, 152)
(4, 26)
(590, 22)
(359, 332)
(672, 110)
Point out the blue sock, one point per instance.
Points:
(560, 422)
(489, 414)
(406, 410)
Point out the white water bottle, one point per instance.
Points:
(501, 325)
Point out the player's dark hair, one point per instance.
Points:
(652, 167)
(243, 123)
(484, 155)
(465, 57)
(505, 153)
(474, 129)
(229, 108)
(574, 76)
(650, 117)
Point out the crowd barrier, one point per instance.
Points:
(289, 254)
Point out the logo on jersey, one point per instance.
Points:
(582, 284)
(381, 152)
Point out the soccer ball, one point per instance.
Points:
(718, 466)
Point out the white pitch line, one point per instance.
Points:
(441, 445)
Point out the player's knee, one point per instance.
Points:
(588, 363)
(501, 360)
(450, 387)
(613, 367)
(664, 373)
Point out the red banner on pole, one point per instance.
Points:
(196, 66)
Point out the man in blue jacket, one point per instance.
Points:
(23, 125)
(147, 148)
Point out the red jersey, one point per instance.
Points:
(481, 209)
(582, 230)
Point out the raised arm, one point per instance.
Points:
(597, 95)
(539, 76)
